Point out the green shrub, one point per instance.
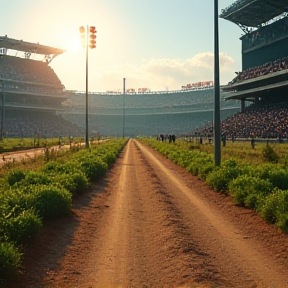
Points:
(200, 164)
(109, 158)
(73, 182)
(275, 174)
(21, 227)
(10, 260)
(205, 169)
(15, 176)
(94, 168)
(49, 200)
(15, 200)
(282, 221)
(52, 167)
(34, 178)
(248, 190)
(220, 178)
(269, 154)
(275, 206)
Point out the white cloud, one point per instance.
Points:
(161, 74)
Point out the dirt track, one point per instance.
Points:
(152, 224)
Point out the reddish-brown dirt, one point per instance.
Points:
(150, 223)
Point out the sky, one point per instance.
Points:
(156, 44)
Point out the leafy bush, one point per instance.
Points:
(10, 260)
(52, 167)
(75, 182)
(109, 158)
(220, 178)
(49, 200)
(269, 154)
(94, 168)
(275, 174)
(275, 208)
(55, 167)
(15, 176)
(205, 169)
(248, 190)
(34, 178)
(200, 164)
(21, 227)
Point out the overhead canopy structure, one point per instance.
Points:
(253, 13)
(28, 47)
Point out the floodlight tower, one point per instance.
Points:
(90, 37)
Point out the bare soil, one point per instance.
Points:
(149, 223)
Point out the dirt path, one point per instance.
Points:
(152, 224)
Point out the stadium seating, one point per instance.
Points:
(268, 68)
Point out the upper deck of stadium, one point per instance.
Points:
(253, 13)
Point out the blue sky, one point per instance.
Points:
(158, 44)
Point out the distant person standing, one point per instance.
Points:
(252, 140)
(223, 138)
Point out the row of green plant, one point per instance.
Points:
(28, 197)
(263, 187)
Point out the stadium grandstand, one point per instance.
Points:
(262, 85)
(253, 104)
(146, 114)
(31, 94)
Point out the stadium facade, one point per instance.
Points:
(31, 94)
(146, 113)
(264, 72)
(34, 101)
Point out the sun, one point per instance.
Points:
(74, 45)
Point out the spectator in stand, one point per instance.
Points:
(264, 120)
(254, 72)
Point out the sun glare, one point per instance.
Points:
(74, 45)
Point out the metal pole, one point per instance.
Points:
(87, 136)
(2, 110)
(217, 121)
(124, 81)
(2, 114)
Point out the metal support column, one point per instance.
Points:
(217, 121)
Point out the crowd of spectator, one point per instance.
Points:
(148, 103)
(264, 120)
(44, 125)
(267, 120)
(29, 76)
(265, 69)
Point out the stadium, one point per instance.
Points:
(35, 102)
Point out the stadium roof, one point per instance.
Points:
(21, 45)
(253, 13)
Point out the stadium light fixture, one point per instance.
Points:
(92, 44)
(92, 37)
(82, 36)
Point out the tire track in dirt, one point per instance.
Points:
(254, 266)
(145, 227)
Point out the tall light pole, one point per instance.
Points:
(89, 43)
(217, 121)
(124, 91)
(2, 110)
